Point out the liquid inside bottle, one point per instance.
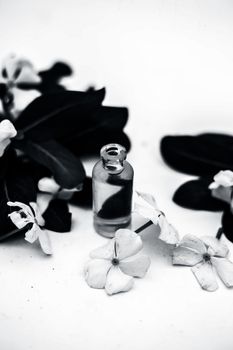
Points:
(112, 183)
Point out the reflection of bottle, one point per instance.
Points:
(112, 183)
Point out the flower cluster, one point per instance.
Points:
(43, 139)
(110, 264)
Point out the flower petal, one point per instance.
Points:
(117, 281)
(194, 243)
(17, 219)
(25, 208)
(32, 234)
(136, 266)
(96, 272)
(185, 256)
(7, 130)
(39, 218)
(213, 186)
(168, 233)
(224, 178)
(147, 212)
(205, 276)
(19, 70)
(215, 246)
(145, 205)
(49, 185)
(27, 73)
(224, 268)
(45, 242)
(3, 146)
(128, 243)
(9, 65)
(145, 199)
(104, 252)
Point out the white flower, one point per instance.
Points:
(205, 255)
(16, 71)
(223, 178)
(49, 185)
(145, 205)
(222, 185)
(114, 265)
(7, 131)
(31, 215)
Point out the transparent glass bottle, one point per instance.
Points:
(112, 184)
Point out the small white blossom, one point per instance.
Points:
(145, 205)
(17, 71)
(7, 132)
(223, 178)
(31, 215)
(221, 187)
(205, 255)
(114, 265)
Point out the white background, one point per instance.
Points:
(171, 63)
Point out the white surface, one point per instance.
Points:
(171, 63)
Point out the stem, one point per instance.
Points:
(219, 233)
(143, 227)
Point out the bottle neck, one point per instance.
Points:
(113, 156)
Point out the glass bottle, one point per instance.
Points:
(112, 184)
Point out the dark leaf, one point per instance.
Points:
(35, 170)
(195, 194)
(58, 115)
(227, 224)
(111, 118)
(101, 127)
(84, 197)
(8, 158)
(96, 140)
(203, 155)
(57, 216)
(16, 185)
(219, 139)
(66, 168)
